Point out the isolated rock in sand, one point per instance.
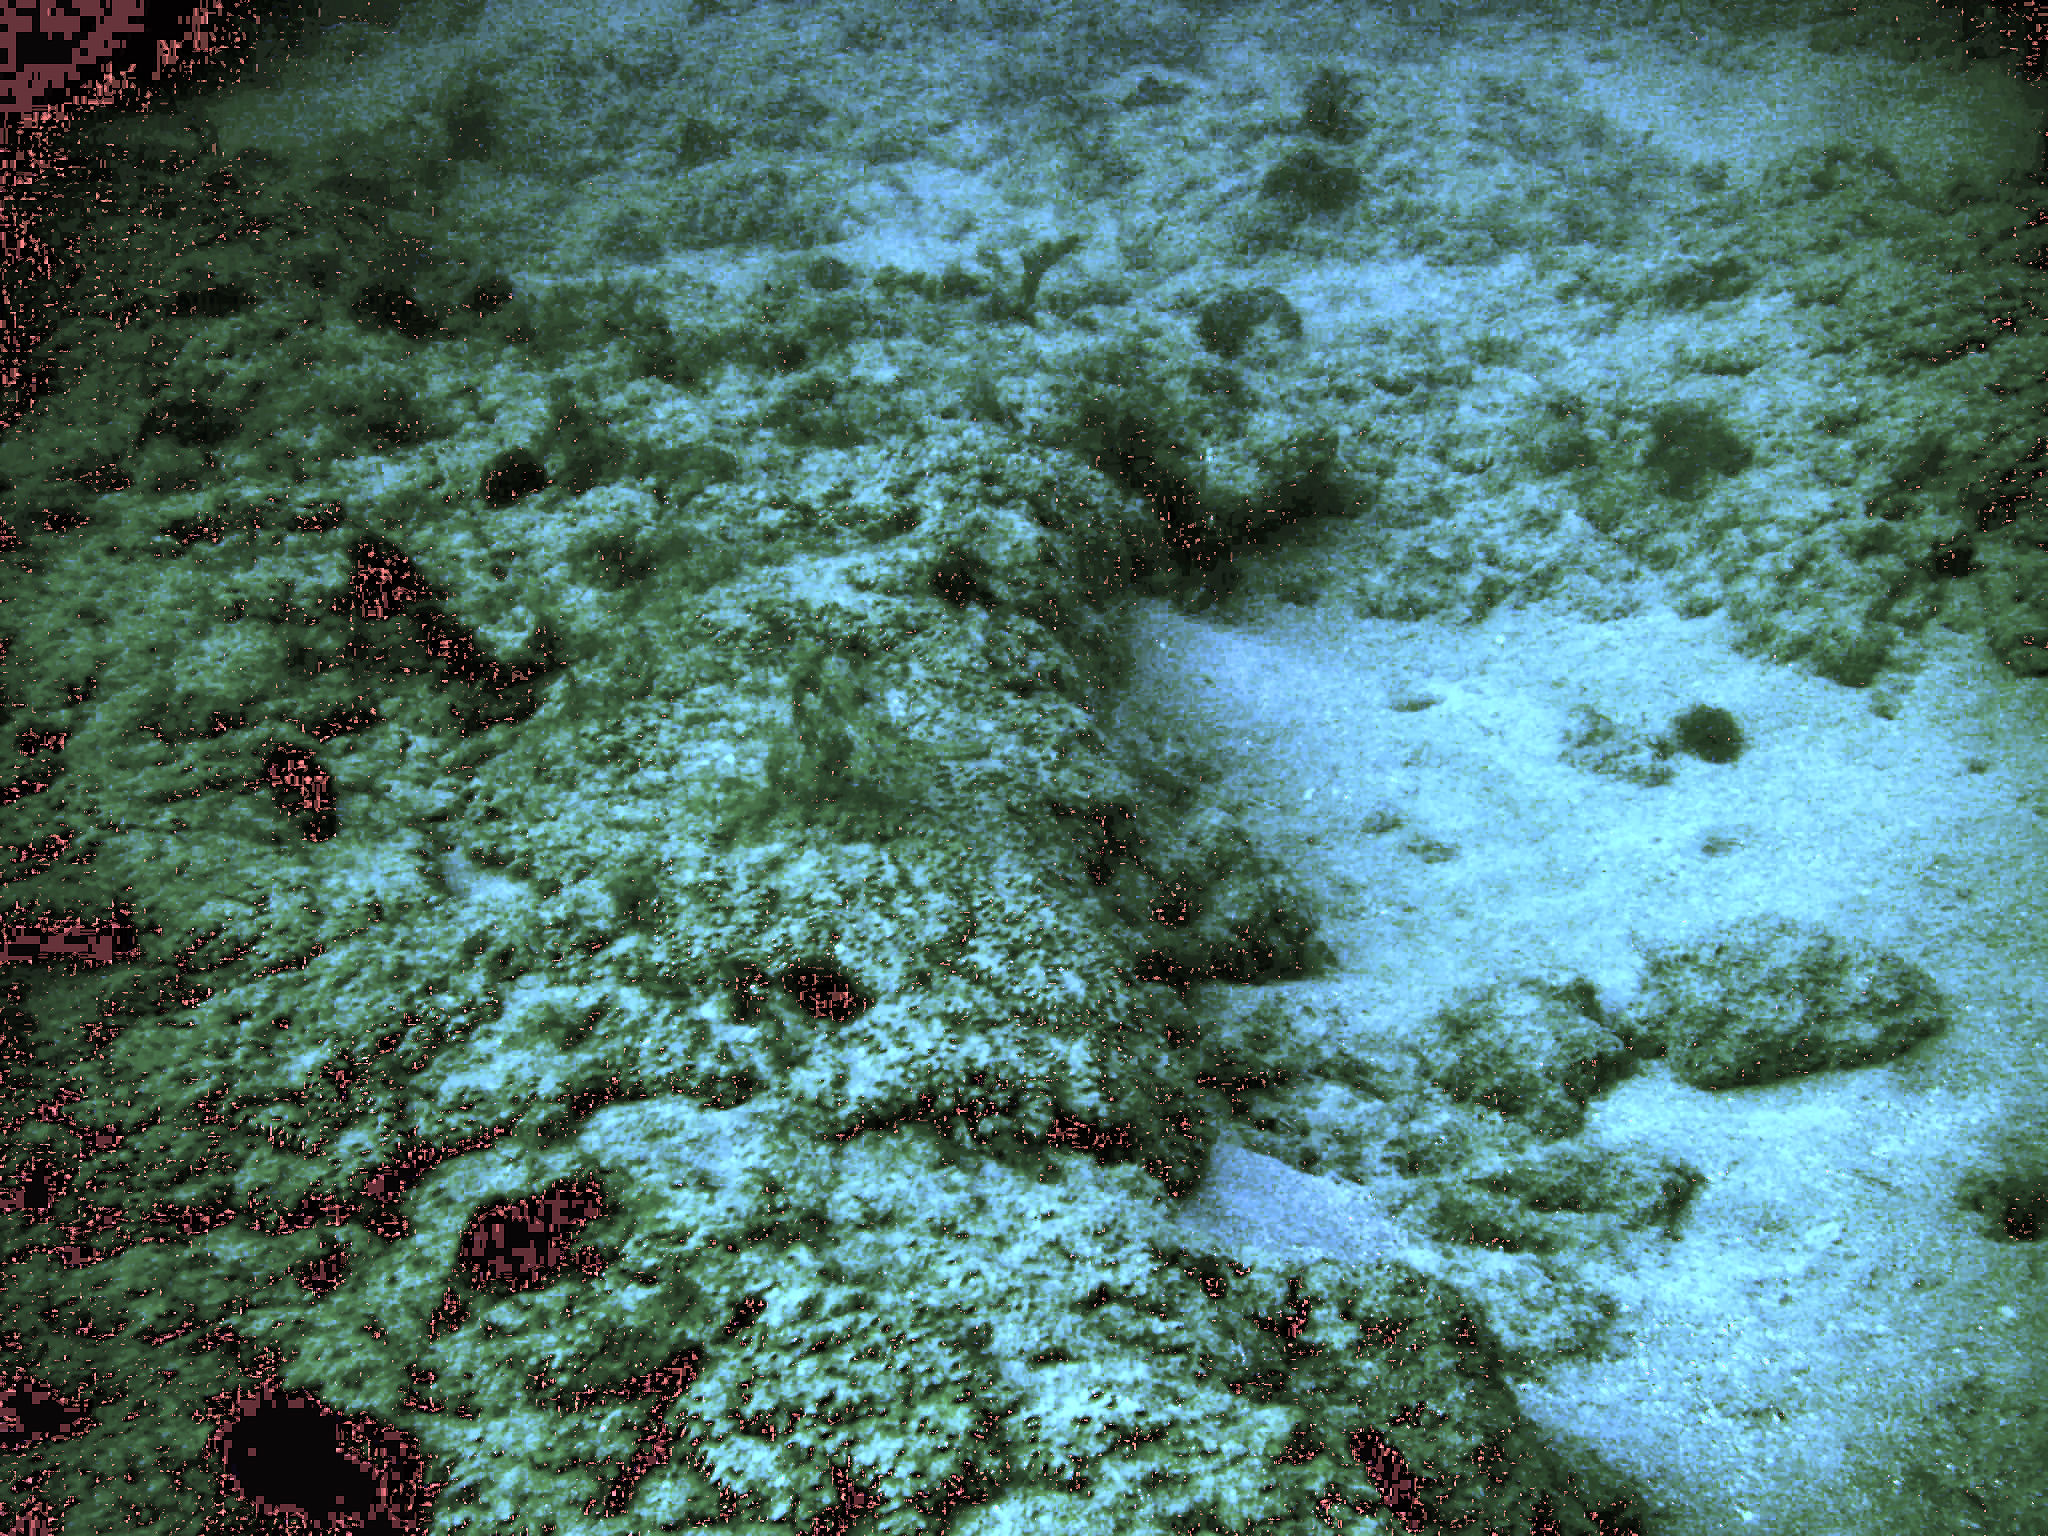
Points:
(1759, 1001)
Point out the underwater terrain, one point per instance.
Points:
(995, 768)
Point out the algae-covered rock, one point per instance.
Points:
(1761, 1001)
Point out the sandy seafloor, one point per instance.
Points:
(1821, 1292)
